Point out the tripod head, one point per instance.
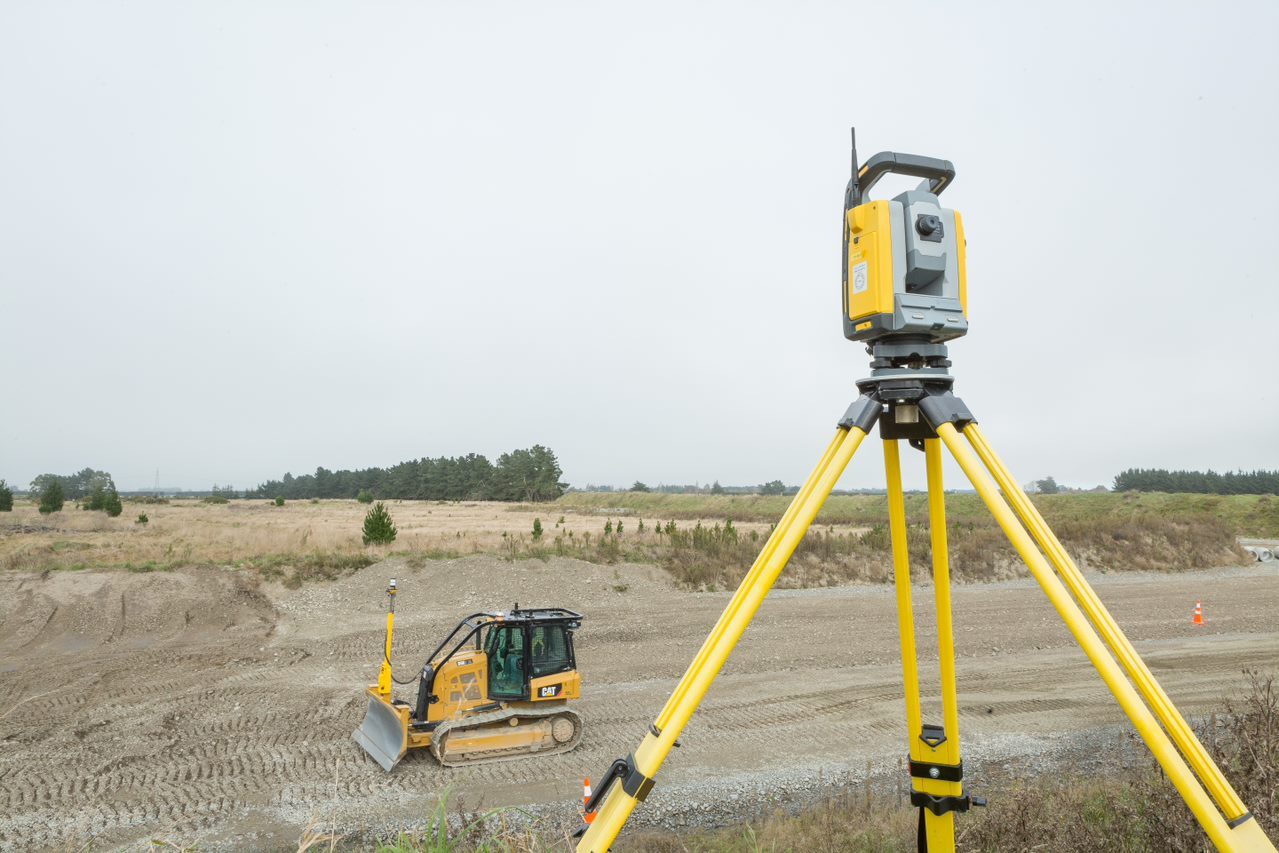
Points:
(904, 278)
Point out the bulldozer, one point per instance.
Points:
(496, 688)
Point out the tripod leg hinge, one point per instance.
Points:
(861, 414)
(634, 782)
(940, 772)
(941, 805)
(945, 408)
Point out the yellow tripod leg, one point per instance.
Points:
(1184, 737)
(924, 746)
(941, 592)
(940, 829)
(901, 580)
(624, 794)
(1222, 836)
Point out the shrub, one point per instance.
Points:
(216, 499)
(365, 496)
(279, 501)
(6, 497)
(537, 528)
(378, 527)
(111, 503)
(142, 518)
(97, 498)
(52, 498)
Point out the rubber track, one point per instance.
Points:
(438, 736)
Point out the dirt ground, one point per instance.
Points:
(203, 706)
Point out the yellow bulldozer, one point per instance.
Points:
(497, 688)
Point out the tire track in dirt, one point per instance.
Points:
(230, 716)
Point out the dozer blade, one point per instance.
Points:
(382, 735)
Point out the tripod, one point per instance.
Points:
(909, 395)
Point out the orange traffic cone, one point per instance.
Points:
(588, 816)
(1198, 618)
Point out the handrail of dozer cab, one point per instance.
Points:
(465, 623)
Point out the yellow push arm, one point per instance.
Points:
(384, 674)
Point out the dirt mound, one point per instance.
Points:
(66, 612)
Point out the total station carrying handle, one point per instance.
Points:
(938, 172)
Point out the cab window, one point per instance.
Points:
(550, 650)
(505, 649)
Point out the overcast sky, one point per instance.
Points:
(239, 239)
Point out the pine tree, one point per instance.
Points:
(537, 528)
(378, 527)
(608, 527)
(111, 503)
(365, 496)
(6, 497)
(52, 498)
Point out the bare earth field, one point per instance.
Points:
(203, 705)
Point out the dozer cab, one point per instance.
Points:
(497, 688)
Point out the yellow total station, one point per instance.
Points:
(905, 295)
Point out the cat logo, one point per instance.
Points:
(550, 691)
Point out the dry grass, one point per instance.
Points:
(717, 555)
(1244, 515)
(256, 533)
(320, 540)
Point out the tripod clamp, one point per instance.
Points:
(908, 392)
(941, 805)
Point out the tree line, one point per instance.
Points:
(74, 486)
(95, 489)
(1198, 482)
(521, 475)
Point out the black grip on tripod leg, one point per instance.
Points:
(863, 413)
(945, 408)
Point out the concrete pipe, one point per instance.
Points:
(1265, 555)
